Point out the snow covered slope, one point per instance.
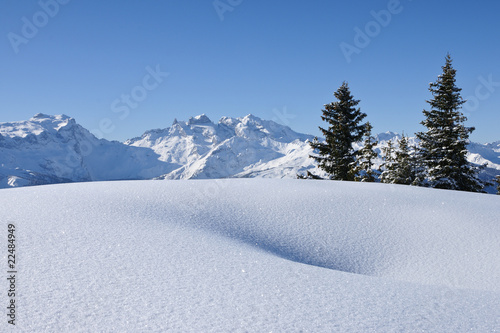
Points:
(53, 149)
(238, 255)
(234, 147)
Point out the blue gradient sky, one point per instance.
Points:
(279, 60)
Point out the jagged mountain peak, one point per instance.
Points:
(251, 118)
(253, 127)
(55, 122)
(386, 136)
(41, 116)
(198, 120)
(37, 125)
(201, 127)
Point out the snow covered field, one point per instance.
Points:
(256, 255)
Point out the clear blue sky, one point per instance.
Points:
(279, 60)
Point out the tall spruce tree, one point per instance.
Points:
(336, 156)
(497, 179)
(405, 163)
(388, 169)
(399, 165)
(366, 155)
(443, 147)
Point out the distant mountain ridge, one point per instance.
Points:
(50, 149)
(55, 149)
(234, 147)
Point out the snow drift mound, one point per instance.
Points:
(411, 234)
(254, 255)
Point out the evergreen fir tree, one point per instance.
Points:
(497, 179)
(400, 164)
(308, 175)
(389, 167)
(366, 155)
(443, 147)
(405, 172)
(336, 155)
(419, 168)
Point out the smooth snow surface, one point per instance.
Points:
(253, 255)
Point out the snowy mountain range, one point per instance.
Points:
(234, 147)
(54, 149)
